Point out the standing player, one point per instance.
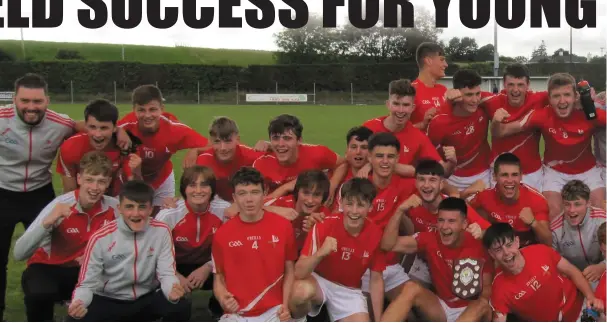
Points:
(264, 244)
(55, 241)
(517, 204)
(568, 135)
(430, 95)
(132, 116)
(464, 126)
(161, 138)
(443, 251)
(100, 118)
(536, 283)
(336, 254)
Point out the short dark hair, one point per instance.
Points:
(360, 188)
(454, 204)
(506, 159)
(190, 175)
(401, 88)
(575, 189)
(137, 191)
(102, 110)
(360, 133)
(466, 78)
(499, 232)
(284, 123)
(310, 179)
(145, 94)
(223, 128)
(384, 139)
(427, 49)
(429, 167)
(31, 81)
(247, 176)
(516, 70)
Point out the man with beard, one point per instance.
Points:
(446, 251)
(536, 283)
(54, 244)
(100, 118)
(515, 203)
(336, 254)
(568, 136)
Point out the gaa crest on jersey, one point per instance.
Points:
(467, 278)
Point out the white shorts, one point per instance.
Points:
(534, 180)
(270, 315)
(452, 314)
(341, 301)
(463, 182)
(420, 272)
(166, 189)
(394, 276)
(218, 206)
(554, 180)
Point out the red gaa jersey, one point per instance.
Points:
(355, 254)
(600, 292)
(414, 144)
(243, 156)
(525, 145)
(426, 98)
(567, 149)
(74, 148)
(467, 134)
(158, 148)
(192, 232)
(310, 157)
(538, 293)
(262, 248)
(424, 221)
(440, 260)
(131, 117)
(498, 211)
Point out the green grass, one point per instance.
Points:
(322, 125)
(46, 51)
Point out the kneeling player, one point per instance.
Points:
(536, 283)
(336, 254)
(460, 269)
(55, 241)
(128, 270)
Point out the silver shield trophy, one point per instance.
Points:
(468, 278)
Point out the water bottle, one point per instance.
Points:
(587, 103)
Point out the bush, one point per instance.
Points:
(6, 56)
(65, 54)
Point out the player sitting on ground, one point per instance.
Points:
(100, 118)
(568, 136)
(460, 269)
(128, 271)
(464, 126)
(305, 206)
(161, 138)
(574, 232)
(55, 241)
(336, 254)
(536, 283)
(517, 101)
(253, 256)
(415, 144)
(510, 201)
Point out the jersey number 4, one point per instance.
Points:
(255, 246)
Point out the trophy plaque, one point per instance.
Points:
(467, 278)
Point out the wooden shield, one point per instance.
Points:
(467, 278)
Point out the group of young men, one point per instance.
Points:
(421, 220)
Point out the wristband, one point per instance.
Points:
(530, 224)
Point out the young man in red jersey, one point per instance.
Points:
(415, 144)
(515, 203)
(536, 283)
(132, 116)
(430, 94)
(462, 125)
(568, 136)
(517, 100)
(462, 291)
(161, 138)
(54, 243)
(336, 254)
(100, 121)
(261, 242)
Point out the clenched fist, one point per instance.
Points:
(500, 115)
(450, 155)
(453, 95)
(475, 230)
(526, 216)
(411, 202)
(60, 211)
(328, 246)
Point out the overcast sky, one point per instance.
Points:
(515, 42)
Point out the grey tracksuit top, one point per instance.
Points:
(122, 264)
